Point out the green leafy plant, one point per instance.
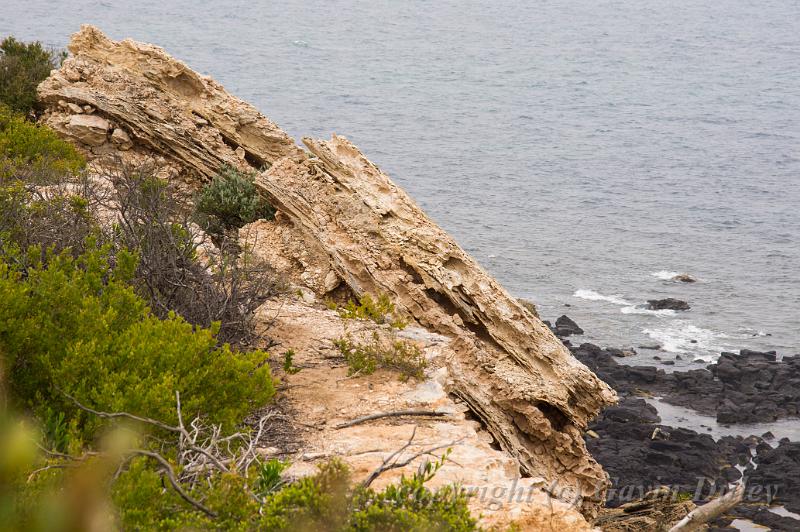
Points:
(380, 310)
(75, 326)
(269, 477)
(37, 146)
(230, 201)
(398, 355)
(288, 362)
(22, 67)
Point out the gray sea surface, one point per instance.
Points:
(580, 150)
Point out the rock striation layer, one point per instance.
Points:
(141, 97)
(129, 100)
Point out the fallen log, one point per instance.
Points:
(701, 515)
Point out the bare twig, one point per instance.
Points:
(201, 450)
(115, 415)
(393, 460)
(50, 466)
(170, 473)
(398, 413)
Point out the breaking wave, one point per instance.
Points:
(664, 275)
(591, 295)
(683, 337)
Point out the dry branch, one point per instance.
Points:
(393, 460)
(170, 473)
(399, 413)
(201, 450)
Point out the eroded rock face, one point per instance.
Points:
(517, 377)
(165, 106)
(343, 222)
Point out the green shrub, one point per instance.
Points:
(288, 362)
(410, 505)
(231, 201)
(76, 327)
(319, 502)
(269, 477)
(328, 501)
(22, 67)
(380, 310)
(39, 147)
(398, 355)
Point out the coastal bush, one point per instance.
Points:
(288, 362)
(54, 219)
(327, 501)
(380, 310)
(76, 327)
(231, 201)
(227, 288)
(397, 355)
(22, 67)
(35, 147)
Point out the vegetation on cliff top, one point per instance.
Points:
(22, 67)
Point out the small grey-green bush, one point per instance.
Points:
(230, 201)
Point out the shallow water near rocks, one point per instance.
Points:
(678, 416)
(573, 147)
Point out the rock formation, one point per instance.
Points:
(342, 221)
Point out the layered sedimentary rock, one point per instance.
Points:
(138, 96)
(363, 231)
(534, 398)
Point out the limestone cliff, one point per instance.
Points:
(343, 222)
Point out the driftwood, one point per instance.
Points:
(698, 517)
(515, 376)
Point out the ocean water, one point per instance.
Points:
(580, 150)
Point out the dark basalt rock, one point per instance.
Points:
(780, 467)
(639, 453)
(746, 388)
(669, 303)
(566, 327)
(761, 515)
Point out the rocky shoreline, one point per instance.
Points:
(640, 453)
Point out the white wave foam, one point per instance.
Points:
(678, 337)
(591, 295)
(664, 275)
(633, 309)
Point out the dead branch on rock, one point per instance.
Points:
(399, 413)
(393, 461)
(701, 515)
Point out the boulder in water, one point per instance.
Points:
(565, 326)
(669, 303)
